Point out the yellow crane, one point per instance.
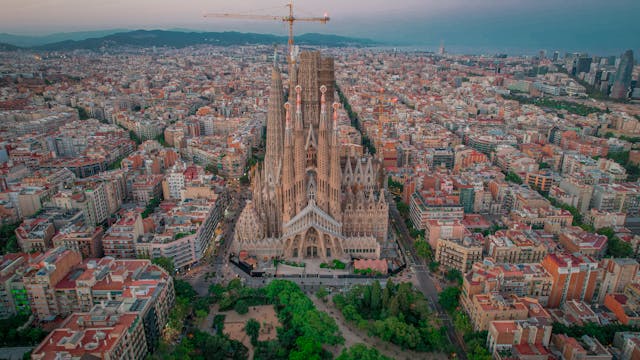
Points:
(291, 18)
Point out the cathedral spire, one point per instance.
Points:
(275, 131)
(300, 155)
(288, 180)
(336, 106)
(298, 99)
(335, 174)
(324, 142)
(323, 100)
(257, 187)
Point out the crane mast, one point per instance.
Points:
(290, 19)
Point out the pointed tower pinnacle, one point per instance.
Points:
(336, 106)
(287, 107)
(299, 154)
(288, 179)
(323, 99)
(335, 173)
(275, 132)
(323, 153)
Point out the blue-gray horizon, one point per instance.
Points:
(572, 25)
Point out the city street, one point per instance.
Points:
(426, 283)
(218, 263)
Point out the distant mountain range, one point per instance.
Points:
(176, 39)
(28, 41)
(8, 47)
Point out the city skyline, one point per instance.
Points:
(508, 26)
(442, 180)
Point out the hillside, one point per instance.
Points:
(178, 39)
(8, 47)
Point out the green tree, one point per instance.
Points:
(386, 294)
(619, 249)
(513, 177)
(244, 180)
(350, 313)
(361, 352)
(201, 315)
(252, 328)
(165, 263)
(607, 231)
(82, 113)
(133, 136)
(479, 352)
(395, 184)
(394, 307)
(151, 206)
(8, 239)
(376, 297)
(184, 290)
(604, 333)
(403, 209)
(366, 298)
(448, 298)
(423, 249)
(306, 349)
(434, 266)
(402, 315)
(322, 293)
(462, 323)
(212, 168)
(241, 307)
(454, 275)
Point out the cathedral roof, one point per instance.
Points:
(249, 226)
(305, 219)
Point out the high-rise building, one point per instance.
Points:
(575, 277)
(306, 203)
(617, 274)
(622, 82)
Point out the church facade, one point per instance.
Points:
(308, 201)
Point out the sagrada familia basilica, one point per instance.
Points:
(308, 200)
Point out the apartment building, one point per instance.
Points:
(87, 240)
(121, 237)
(575, 277)
(458, 254)
(94, 334)
(40, 280)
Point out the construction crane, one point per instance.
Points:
(291, 18)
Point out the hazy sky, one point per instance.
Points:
(599, 26)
